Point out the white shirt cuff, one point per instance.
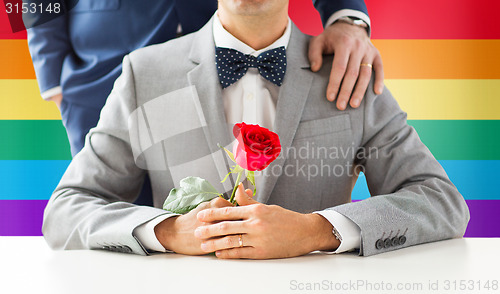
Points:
(145, 233)
(51, 92)
(349, 232)
(349, 12)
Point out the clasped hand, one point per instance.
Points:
(267, 231)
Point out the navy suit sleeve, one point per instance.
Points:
(49, 44)
(328, 7)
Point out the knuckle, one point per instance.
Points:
(222, 227)
(222, 254)
(346, 40)
(359, 44)
(353, 74)
(260, 252)
(344, 94)
(205, 231)
(226, 211)
(259, 209)
(341, 67)
(210, 213)
(202, 206)
(258, 224)
(228, 242)
(232, 253)
(217, 202)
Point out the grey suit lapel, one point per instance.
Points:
(291, 100)
(205, 79)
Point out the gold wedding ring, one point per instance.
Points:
(241, 240)
(366, 64)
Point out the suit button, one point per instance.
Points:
(395, 241)
(127, 249)
(379, 244)
(387, 243)
(402, 240)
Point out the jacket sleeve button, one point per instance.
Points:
(402, 240)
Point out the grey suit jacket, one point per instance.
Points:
(165, 117)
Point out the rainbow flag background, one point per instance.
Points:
(442, 63)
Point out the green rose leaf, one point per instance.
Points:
(229, 153)
(189, 195)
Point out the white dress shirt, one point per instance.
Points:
(252, 100)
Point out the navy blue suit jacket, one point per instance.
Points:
(82, 50)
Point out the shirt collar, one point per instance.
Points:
(224, 39)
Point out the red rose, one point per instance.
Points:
(256, 147)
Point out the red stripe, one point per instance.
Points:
(5, 28)
(434, 19)
(305, 16)
(392, 19)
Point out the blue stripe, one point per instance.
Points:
(30, 179)
(36, 179)
(474, 179)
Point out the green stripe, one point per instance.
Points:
(33, 140)
(460, 139)
(447, 139)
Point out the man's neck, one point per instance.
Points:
(256, 32)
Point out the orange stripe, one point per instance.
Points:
(15, 60)
(403, 59)
(440, 59)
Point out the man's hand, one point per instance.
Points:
(267, 231)
(57, 100)
(177, 233)
(352, 47)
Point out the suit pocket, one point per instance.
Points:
(324, 126)
(95, 5)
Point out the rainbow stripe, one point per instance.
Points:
(442, 69)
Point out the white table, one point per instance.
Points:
(27, 265)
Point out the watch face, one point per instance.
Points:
(360, 23)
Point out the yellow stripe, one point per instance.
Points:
(20, 99)
(448, 99)
(422, 99)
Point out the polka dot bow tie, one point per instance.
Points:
(232, 65)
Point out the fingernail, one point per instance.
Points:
(204, 246)
(197, 232)
(342, 105)
(331, 97)
(201, 215)
(217, 253)
(355, 103)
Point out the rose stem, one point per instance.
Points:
(235, 187)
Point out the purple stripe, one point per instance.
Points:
(484, 218)
(24, 218)
(21, 217)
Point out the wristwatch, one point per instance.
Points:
(354, 21)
